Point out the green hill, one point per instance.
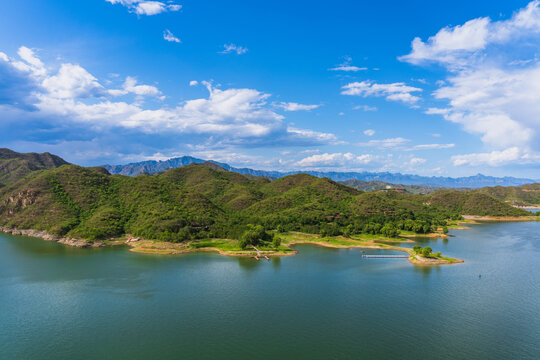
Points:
(525, 195)
(200, 201)
(15, 166)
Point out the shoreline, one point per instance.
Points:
(476, 218)
(528, 207)
(49, 237)
(430, 235)
(152, 247)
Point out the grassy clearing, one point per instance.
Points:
(449, 259)
(221, 244)
(367, 241)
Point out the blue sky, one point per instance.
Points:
(425, 87)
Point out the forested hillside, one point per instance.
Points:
(525, 195)
(15, 166)
(199, 201)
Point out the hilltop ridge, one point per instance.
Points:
(15, 166)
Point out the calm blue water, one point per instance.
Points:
(58, 302)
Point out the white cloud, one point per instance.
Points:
(169, 36)
(130, 86)
(193, 83)
(33, 63)
(494, 158)
(400, 143)
(436, 111)
(456, 45)
(369, 132)
(146, 7)
(73, 81)
(316, 136)
(335, 160)
(393, 91)
(417, 161)
(346, 66)
(432, 146)
(365, 108)
(386, 143)
(493, 86)
(73, 95)
(448, 41)
(292, 106)
(230, 48)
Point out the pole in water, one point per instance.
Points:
(480, 276)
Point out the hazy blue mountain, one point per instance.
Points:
(476, 181)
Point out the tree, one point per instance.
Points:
(417, 249)
(438, 254)
(348, 231)
(445, 230)
(276, 242)
(255, 235)
(426, 252)
(389, 230)
(417, 228)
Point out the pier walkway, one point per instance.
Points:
(385, 256)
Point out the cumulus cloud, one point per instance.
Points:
(130, 86)
(73, 95)
(455, 45)
(493, 84)
(292, 106)
(335, 160)
(494, 158)
(146, 7)
(16, 88)
(169, 36)
(232, 48)
(393, 91)
(73, 81)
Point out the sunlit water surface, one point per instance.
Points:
(58, 302)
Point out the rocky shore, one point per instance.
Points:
(48, 237)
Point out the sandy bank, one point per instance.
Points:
(502, 218)
(420, 260)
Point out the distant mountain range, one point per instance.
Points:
(477, 181)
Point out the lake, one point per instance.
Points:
(58, 302)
